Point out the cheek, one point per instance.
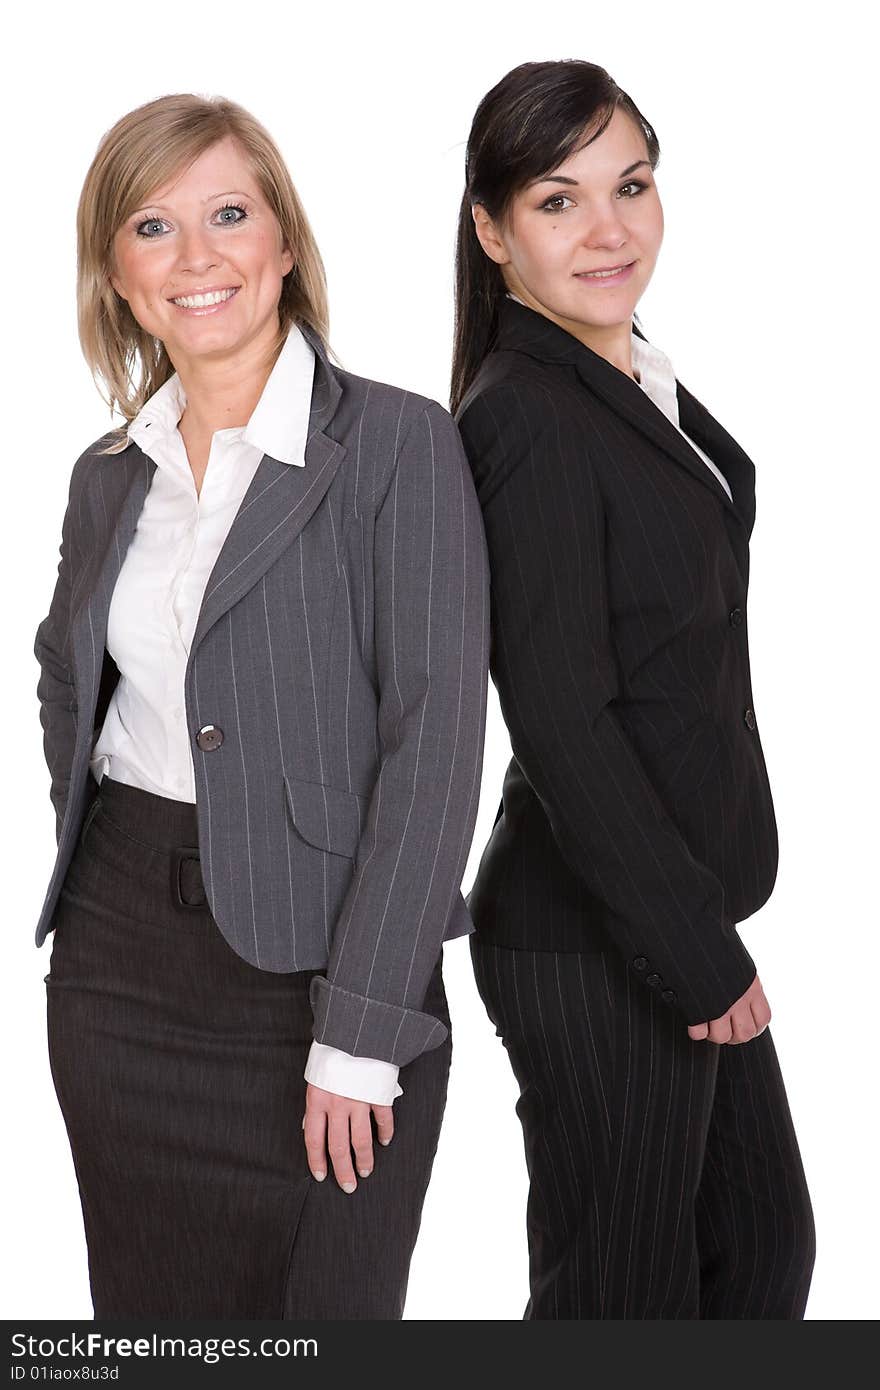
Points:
(264, 256)
(546, 244)
(652, 228)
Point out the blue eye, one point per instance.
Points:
(233, 207)
(151, 221)
(225, 222)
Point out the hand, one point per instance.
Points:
(744, 1020)
(340, 1124)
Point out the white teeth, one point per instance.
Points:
(200, 301)
(602, 274)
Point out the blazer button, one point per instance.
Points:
(640, 963)
(751, 721)
(652, 980)
(210, 736)
(668, 996)
(735, 617)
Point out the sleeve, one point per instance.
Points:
(359, 1078)
(555, 668)
(55, 687)
(431, 583)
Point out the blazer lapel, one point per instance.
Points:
(723, 449)
(525, 330)
(276, 506)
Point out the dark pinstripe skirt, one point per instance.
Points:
(178, 1067)
(666, 1180)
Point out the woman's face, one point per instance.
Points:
(208, 229)
(599, 210)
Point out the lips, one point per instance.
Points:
(606, 278)
(205, 289)
(606, 269)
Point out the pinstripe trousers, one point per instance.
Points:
(665, 1175)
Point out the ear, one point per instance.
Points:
(488, 235)
(287, 262)
(117, 286)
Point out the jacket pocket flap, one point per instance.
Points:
(329, 817)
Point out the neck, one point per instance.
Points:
(222, 391)
(611, 341)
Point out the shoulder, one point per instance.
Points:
(389, 413)
(537, 392)
(396, 433)
(516, 411)
(94, 459)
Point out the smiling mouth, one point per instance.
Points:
(206, 299)
(610, 273)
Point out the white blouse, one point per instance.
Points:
(155, 606)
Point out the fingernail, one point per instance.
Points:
(365, 1172)
(319, 1177)
(386, 1142)
(349, 1186)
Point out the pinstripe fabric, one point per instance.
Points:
(637, 807)
(666, 1180)
(342, 647)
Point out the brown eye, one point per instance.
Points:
(552, 204)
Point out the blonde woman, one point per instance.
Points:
(262, 689)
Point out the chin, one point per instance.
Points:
(610, 315)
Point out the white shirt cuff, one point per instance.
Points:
(358, 1078)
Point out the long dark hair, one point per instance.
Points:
(523, 129)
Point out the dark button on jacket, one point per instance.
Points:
(735, 617)
(751, 721)
(208, 737)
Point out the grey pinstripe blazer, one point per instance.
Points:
(342, 649)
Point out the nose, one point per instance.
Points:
(606, 229)
(195, 251)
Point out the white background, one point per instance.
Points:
(761, 297)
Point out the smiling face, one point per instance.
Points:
(598, 211)
(209, 229)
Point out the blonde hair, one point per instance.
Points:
(145, 149)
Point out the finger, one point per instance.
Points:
(384, 1117)
(742, 1024)
(720, 1030)
(362, 1139)
(315, 1134)
(339, 1147)
(761, 1015)
(698, 1031)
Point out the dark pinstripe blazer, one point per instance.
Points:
(637, 808)
(342, 650)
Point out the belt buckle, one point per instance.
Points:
(178, 855)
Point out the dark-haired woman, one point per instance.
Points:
(636, 827)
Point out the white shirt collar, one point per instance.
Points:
(278, 425)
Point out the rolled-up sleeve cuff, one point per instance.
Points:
(366, 1027)
(358, 1078)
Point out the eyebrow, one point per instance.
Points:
(229, 193)
(560, 178)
